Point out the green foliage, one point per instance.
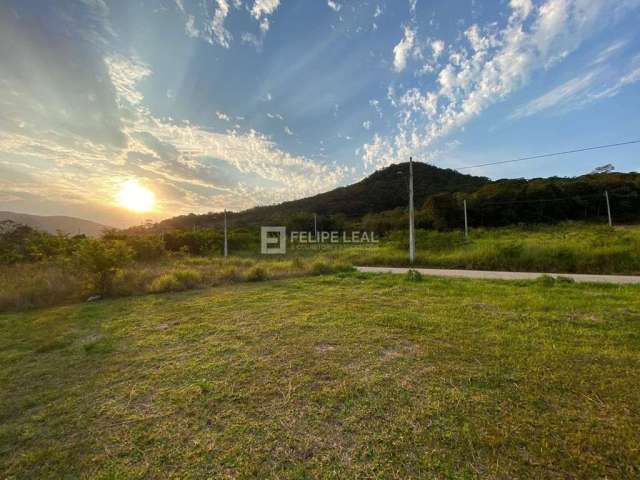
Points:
(146, 247)
(201, 241)
(413, 276)
(102, 258)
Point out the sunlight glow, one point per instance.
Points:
(134, 196)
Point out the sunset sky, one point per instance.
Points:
(185, 106)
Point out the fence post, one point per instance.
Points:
(606, 195)
(466, 225)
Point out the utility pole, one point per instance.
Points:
(412, 233)
(466, 225)
(226, 251)
(315, 226)
(606, 195)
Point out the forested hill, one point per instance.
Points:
(385, 189)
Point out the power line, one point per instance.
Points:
(545, 155)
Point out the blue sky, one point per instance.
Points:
(215, 104)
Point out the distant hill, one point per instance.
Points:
(383, 190)
(51, 224)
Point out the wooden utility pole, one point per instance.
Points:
(466, 225)
(226, 251)
(606, 195)
(412, 233)
(315, 226)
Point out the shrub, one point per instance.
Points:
(102, 259)
(414, 276)
(189, 278)
(146, 247)
(256, 274)
(165, 283)
(321, 268)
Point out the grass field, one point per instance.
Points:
(570, 247)
(337, 376)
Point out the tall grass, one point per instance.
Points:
(29, 285)
(563, 248)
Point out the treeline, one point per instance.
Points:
(20, 243)
(520, 201)
(548, 200)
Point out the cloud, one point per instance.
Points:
(403, 49)
(211, 27)
(287, 130)
(223, 116)
(220, 33)
(264, 7)
(335, 6)
(561, 95)
(186, 164)
(366, 125)
(494, 63)
(438, 47)
(630, 78)
(597, 84)
(609, 52)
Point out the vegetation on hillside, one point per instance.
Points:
(379, 203)
(347, 376)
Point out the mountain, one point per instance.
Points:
(51, 224)
(383, 190)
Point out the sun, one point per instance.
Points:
(134, 196)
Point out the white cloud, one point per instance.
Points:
(175, 156)
(521, 8)
(632, 77)
(438, 47)
(223, 116)
(125, 75)
(275, 116)
(403, 49)
(377, 12)
(264, 7)
(190, 27)
(366, 125)
(287, 130)
(500, 62)
(412, 6)
(609, 52)
(560, 95)
(335, 6)
(220, 33)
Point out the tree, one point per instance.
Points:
(102, 259)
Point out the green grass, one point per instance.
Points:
(563, 248)
(337, 376)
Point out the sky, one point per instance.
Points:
(228, 104)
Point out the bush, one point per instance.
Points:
(321, 268)
(166, 283)
(256, 274)
(414, 276)
(188, 278)
(102, 259)
(146, 247)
